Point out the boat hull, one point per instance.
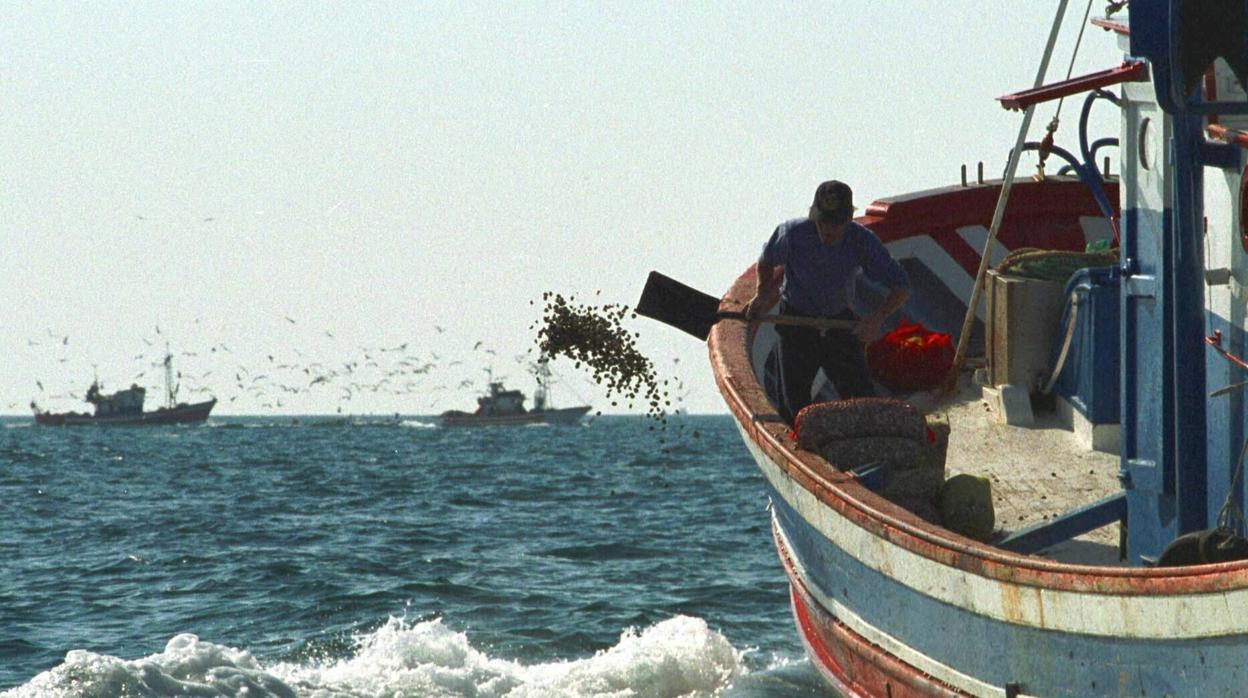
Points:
(181, 414)
(882, 621)
(564, 416)
(890, 605)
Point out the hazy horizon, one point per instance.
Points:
(318, 187)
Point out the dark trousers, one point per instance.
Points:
(803, 351)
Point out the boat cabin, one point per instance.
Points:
(122, 402)
(500, 401)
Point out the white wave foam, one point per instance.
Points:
(187, 667)
(417, 424)
(680, 656)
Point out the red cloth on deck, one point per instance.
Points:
(910, 357)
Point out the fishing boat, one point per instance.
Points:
(1115, 565)
(503, 407)
(125, 407)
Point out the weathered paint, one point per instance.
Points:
(943, 635)
(854, 664)
(823, 532)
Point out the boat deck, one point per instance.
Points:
(1038, 472)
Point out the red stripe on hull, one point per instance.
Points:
(959, 250)
(847, 660)
(1040, 214)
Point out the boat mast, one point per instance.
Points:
(541, 372)
(169, 389)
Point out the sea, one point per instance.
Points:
(328, 556)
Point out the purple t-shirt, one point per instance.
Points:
(819, 278)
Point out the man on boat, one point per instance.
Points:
(809, 265)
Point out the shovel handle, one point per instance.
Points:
(823, 323)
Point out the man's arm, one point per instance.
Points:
(869, 326)
(880, 267)
(767, 292)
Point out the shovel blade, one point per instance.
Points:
(673, 303)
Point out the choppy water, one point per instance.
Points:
(262, 557)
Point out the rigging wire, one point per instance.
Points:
(1046, 144)
(1074, 54)
(972, 305)
(1230, 516)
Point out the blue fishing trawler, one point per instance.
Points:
(1123, 572)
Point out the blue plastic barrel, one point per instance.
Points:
(1089, 377)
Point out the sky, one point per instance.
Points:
(380, 193)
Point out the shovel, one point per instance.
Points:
(673, 303)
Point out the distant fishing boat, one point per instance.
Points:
(503, 407)
(125, 407)
(1144, 354)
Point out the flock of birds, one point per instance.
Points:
(289, 378)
